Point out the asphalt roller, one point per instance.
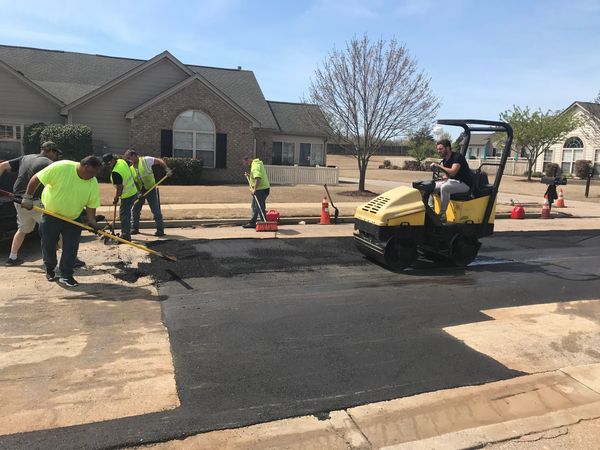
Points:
(398, 226)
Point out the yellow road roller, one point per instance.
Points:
(398, 226)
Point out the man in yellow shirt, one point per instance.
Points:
(69, 187)
(260, 188)
(122, 176)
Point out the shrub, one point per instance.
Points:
(395, 167)
(31, 137)
(582, 167)
(74, 140)
(411, 165)
(387, 163)
(552, 170)
(186, 171)
(426, 166)
(381, 166)
(536, 174)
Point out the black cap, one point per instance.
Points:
(107, 157)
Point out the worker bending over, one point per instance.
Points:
(122, 176)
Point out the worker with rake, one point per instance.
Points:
(259, 187)
(122, 176)
(69, 187)
(147, 185)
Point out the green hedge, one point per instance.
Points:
(75, 141)
(186, 171)
(31, 137)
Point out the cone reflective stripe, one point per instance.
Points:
(103, 233)
(546, 208)
(560, 203)
(325, 217)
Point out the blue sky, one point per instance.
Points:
(482, 56)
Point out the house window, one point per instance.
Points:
(572, 151)
(597, 162)
(311, 155)
(10, 140)
(548, 156)
(194, 137)
(283, 153)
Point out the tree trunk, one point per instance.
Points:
(362, 170)
(530, 163)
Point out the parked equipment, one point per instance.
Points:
(399, 225)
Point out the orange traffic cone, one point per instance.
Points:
(325, 218)
(545, 209)
(560, 203)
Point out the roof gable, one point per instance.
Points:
(161, 56)
(30, 83)
(196, 77)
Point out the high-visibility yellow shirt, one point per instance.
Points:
(128, 176)
(65, 192)
(257, 170)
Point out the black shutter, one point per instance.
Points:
(166, 143)
(221, 156)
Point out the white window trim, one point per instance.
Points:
(194, 135)
(21, 128)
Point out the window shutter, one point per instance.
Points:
(166, 143)
(221, 156)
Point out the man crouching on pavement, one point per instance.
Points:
(69, 188)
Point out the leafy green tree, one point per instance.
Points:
(536, 131)
(74, 140)
(421, 144)
(371, 92)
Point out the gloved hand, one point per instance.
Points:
(169, 172)
(27, 202)
(95, 226)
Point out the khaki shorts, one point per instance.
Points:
(26, 219)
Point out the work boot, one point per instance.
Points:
(50, 274)
(249, 225)
(78, 263)
(135, 231)
(14, 262)
(68, 281)
(159, 233)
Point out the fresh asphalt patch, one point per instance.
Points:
(272, 328)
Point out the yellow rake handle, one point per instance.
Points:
(103, 233)
(149, 190)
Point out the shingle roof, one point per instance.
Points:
(69, 76)
(592, 108)
(299, 118)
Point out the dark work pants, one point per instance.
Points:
(125, 216)
(154, 203)
(50, 230)
(261, 195)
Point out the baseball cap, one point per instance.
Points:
(51, 146)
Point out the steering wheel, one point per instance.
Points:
(438, 173)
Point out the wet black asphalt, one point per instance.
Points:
(273, 328)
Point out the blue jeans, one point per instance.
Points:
(261, 195)
(125, 216)
(154, 203)
(50, 230)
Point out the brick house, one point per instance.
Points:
(160, 107)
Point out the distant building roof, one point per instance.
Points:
(480, 139)
(592, 108)
(300, 118)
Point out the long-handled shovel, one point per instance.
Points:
(336, 212)
(149, 190)
(99, 232)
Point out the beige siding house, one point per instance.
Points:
(581, 143)
(160, 107)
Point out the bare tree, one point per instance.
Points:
(370, 93)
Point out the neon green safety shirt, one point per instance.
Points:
(257, 170)
(128, 175)
(65, 192)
